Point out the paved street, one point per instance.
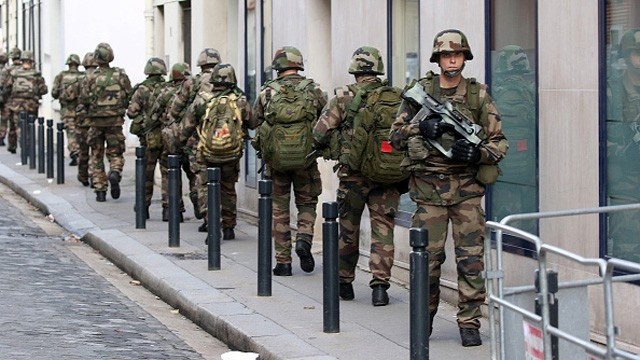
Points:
(54, 306)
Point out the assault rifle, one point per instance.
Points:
(458, 123)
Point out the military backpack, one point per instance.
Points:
(70, 86)
(220, 132)
(361, 142)
(109, 98)
(284, 139)
(24, 83)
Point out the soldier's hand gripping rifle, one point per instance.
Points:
(455, 121)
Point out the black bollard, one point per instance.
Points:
(331, 285)
(174, 200)
(41, 145)
(31, 140)
(22, 127)
(265, 221)
(141, 214)
(60, 134)
(213, 218)
(419, 295)
(50, 149)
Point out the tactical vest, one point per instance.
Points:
(25, 82)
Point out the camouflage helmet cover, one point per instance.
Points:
(209, 56)
(27, 55)
(180, 71)
(89, 60)
(512, 58)
(366, 60)
(155, 66)
(287, 57)
(73, 59)
(103, 53)
(629, 41)
(15, 53)
(223, 75)
(3, 58)
(450, 40)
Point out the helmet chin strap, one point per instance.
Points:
(452, 74)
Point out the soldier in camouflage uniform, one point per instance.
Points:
(357, 191)
(64, 89)
(14, 55)
(24, 87)
(82, 127)
(224, 83)
(164, 95)
(623, 150)
(306, 182)
(105, 96)
(139, 111)
(448, 190)
(190, 89)
(3, 124)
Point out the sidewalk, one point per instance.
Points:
(286, 325)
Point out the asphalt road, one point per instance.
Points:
(59, 299)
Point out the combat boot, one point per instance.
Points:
(74, 160)
(470, 337)
(2, 142)
(379, 296)
(101, 196)
(196, 209)
(346, 291)
(282, 270)
(228, 234)
(114, 181)
(303, 250)
(203, 227)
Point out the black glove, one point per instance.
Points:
(463, 150)
(433, 127)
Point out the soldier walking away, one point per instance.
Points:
(3, 124)
(82, 126)
(190, 89)
(363, 111)
(163, 96)
(105, 96)
(24, 87)
(65, 90)
(139, 111)
(221, 120)
(14, 55)
(286, 111)
(448, 188)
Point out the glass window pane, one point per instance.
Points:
(251, 23)
(513, 88)
(623, 126)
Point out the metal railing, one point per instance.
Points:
(495, 277)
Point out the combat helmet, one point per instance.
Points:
(179, 71)
(73, 59)
(103, 53)
(629, 41)
(208, 56)
(223, 75)
(512, 59)
(287, 57)
(27, 56)
(366, 60)
(155, 66)
(450, 40)
(15, 53)
(89, 60)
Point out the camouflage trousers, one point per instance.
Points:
(4, 122)
(229, 173)
(81, 135)
(186, 168)
(114, 139)
(354, 193)
(13, 108)
(152, 157)
(70, 128)
(467, 220)
(307, 186)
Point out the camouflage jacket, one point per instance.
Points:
(189, 89)
(24, 84)
(90, 91)
(486, 115)
(141, 102)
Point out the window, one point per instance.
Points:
(404, 65)
(622, 126)
(252, 33)
(513, 88)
